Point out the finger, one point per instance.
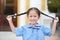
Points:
(56, 18)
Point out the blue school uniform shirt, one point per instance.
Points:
(33, 33)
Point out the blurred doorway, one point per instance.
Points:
(7, 7)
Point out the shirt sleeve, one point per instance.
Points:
(19, 31)
(47, 31)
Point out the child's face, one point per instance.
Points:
(33, 17)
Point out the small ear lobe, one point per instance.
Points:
(38, 17)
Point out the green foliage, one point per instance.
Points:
(54, 3)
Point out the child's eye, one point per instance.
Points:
(34, 16)
(30, 16)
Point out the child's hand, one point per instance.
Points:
(56, 19)
(9, 18)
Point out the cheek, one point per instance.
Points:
(29, 19)
(36, 18)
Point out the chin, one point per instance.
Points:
(33, 22)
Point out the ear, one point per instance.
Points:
(38, 17)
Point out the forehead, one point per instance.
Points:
(33, 12)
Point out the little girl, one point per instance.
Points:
(33, 30)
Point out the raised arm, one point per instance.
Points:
(54, 25)
(9, 18)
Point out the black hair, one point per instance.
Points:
(34, 8)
